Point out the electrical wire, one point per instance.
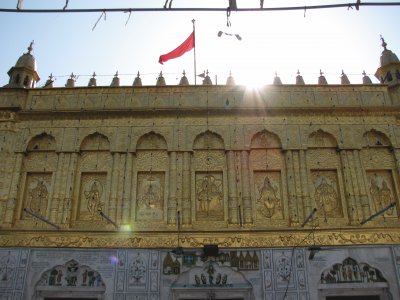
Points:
(202, 9)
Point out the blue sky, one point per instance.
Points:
(330, 40)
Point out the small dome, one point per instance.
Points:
(387, 56)
(366, 79)
(299, 79)
(184, 80)
(207, 80)
(92, 81)
(322, 79)
(160, 80)
(115, 80)
(27, 60)
(230, 80)
(344, 79)
(277, 80)
(137, 81)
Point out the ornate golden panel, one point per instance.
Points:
(381, 190)
(268, 188)
(209, 196)
(150, 196)
(92, 196)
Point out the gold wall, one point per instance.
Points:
(243, 168)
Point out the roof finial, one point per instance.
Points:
(30, 48)
(184, 73)
(383, 43)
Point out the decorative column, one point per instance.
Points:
(293, 210)
(120, 187)
(14, 188)
(362, 184)
(247, 208)
(172, 203)
(305, 192)
(126, 195)
(55, 201)
(298, 187)
(112, 206)
(397, 159)
(356, 188)
(232, 192)
(71, 207)
(186, 190)
(348, 186)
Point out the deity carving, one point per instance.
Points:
(381, 193)
(268, 200)
(209, 196)
(150, 196)
(93, 198)
(7, 268)
(38, 198)
(326, 196)
(137, 271)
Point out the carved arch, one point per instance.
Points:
(72, 278)
(151, 141)
(208, 140)
(375, 138)
(95, 142)
(265, 139)
(42, 142)
(321, 139)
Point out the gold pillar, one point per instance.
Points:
(304, 181)
(186, 203)
(120, 187)
(291, 188)
(172, 201)
(349, 191)
(72, 206)
(127, 195)
(247, 205)
(13, 193)
(55, 200)
(112, 205)
(361, 180)
(232, 192)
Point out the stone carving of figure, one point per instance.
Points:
(381, 194)
(38, 198)
(151, 196)
(93, 199)
(269, 198)
(326, 197)
(209, 195)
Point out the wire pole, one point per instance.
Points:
(194, 52)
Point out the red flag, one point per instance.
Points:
(186, 46)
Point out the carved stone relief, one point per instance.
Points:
(37, 193)
(150, 196)
(7, 270)
(137, 272)
(351, 271)
(92, 196)
(380, 184)
(209, 196)
(268, 195)
(326, 193)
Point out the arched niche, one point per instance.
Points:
(379, 162)
(208, 171)
(41, 142)
(351, 278)
(211, 281)
(267, 169)
(92, 188)
(72, 279)
(208, 140)
(152, 163)
(37, 179)
(325, 177)
(95, 142)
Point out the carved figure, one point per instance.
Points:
(381, 193)
(209, 194)
(151, 196)
(38, 198)
(326, 196)
(93, 199)
(269, 198)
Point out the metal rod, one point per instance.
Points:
(109, 220)
(33, 214)
(240, 217)
(391, 205)
(89, 10)
(309, 217)
(194, 51)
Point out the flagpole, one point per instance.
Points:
(194, 52)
